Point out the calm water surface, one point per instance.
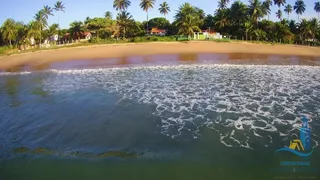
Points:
(162, 117)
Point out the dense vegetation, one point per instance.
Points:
(235, 20)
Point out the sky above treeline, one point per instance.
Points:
(78, 10)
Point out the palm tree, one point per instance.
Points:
(121, 5)
(317, 8)
(222, 4)
(188, 26)
(314, 27)
(59, 7)
(76, 28)
(47, 11)
(164, 8)
(124, 19)
(34, 32)
(256, 10)
(222, 18)
(146, 5)
(299, 7)
(108, 15)
(267, 7)
(9, 31)
(279, 2)
(279, 14)
(304, 30)
(247, 29)
(239, 12)
(288, 9)
(42, 23)
(44, 15)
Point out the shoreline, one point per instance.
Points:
(106, 51)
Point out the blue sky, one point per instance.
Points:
(24, 10)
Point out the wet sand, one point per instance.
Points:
(147, 49)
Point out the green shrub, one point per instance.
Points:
(6, 50)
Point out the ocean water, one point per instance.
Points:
(150, 121)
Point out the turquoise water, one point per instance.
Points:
(182, 121)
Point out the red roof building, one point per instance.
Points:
(156, 31)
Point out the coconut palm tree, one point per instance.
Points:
(121, 5)
(304, 30)
(44, 15)
(222, 18)
(239, 12)
(9, 31)
(222, 4)
(42, 23)
(108, 15)
(164, 8)
(267, 7)
(124, 19)
(288, 9)
(47, 11)
(314, 27)
(76, 28)
(279, 14)
(256, 10)
(59, 6)
(188, 26)
(279, 3)
(34, 27)
(299, 7)
(317, 8)
(146, 5)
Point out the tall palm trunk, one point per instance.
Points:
(58, 29)
(147, 23)
(40, 32)
(10, 43)
(124, 32)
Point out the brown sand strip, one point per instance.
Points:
(125, 50)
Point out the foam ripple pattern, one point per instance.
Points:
(242, 103)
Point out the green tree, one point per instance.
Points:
(260, 34)
(108, 15)
(317, 8)
(76, 29)
(288, 9)
(208, 22)
(304, 30)
(159, 22)
(279, 14)
(9, 31)
(164, 8)
(248, 28)
(59, 6)
(146, 5)
(299, 7)
(256, 10)
(187, 19)
(121, 5)
(267, 7)
(268, 26)
(47, 11)
(279, 3)
(222, 20)
(314, 27)
(124, 19)
(239, 12)
(222, 4)
(188, 26)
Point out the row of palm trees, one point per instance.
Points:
(187, 19)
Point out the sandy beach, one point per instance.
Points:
(125, 50)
